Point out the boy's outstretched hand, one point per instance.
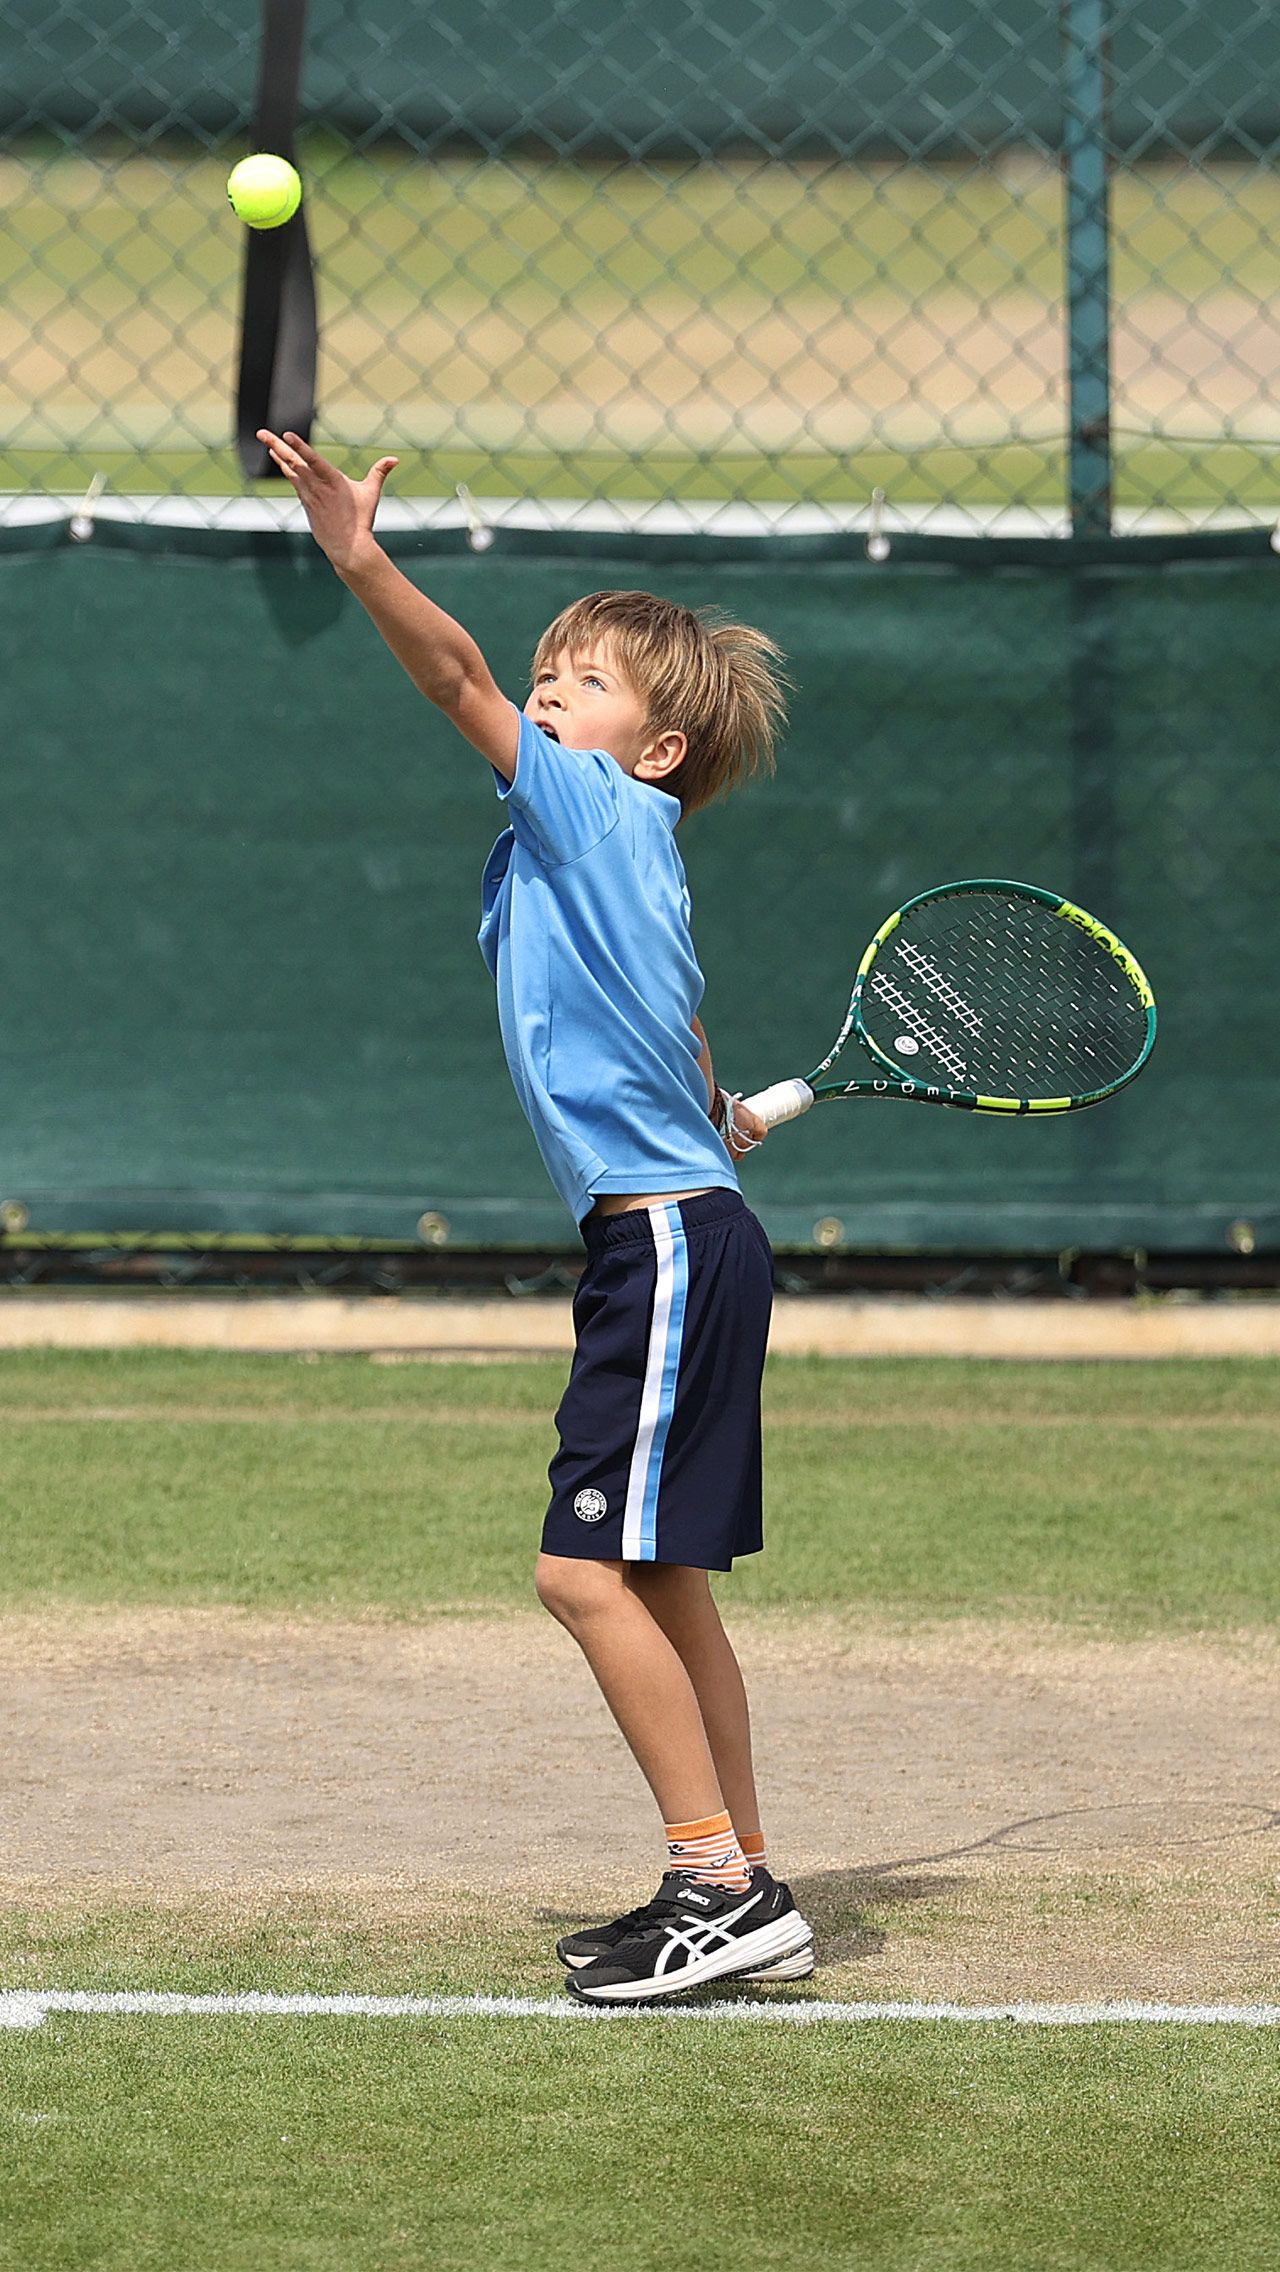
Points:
(340, 511)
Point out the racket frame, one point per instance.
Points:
(895, 1083)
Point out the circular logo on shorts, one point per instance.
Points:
(591, 1506)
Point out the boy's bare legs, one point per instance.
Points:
(653, 1638)
(642, 1677)
(681, 1601)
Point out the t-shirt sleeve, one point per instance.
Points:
(562, 802)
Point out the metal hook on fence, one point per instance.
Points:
(479, 534)
(878, 546)
(80, 528)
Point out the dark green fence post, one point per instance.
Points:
(1086, 24)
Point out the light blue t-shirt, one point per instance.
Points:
(585, 927)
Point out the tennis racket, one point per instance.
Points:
(993, 996)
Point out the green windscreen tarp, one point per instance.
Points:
(819, 76)
(241, 860)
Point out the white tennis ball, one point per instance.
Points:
(263, 191)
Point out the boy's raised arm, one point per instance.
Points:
(441, 658)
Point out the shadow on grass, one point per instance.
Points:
(836, 1901)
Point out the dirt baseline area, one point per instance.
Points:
(985, 1811)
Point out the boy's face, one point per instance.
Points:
(585, 702)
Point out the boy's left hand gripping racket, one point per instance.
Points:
(993, 996)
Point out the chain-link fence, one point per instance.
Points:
(733, 261)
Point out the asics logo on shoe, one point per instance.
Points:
(591, 1506)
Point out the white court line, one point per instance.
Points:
(29, 2008)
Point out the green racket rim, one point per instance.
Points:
(901, 1084)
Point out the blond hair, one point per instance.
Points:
(718, 683)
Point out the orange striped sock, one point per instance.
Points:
(708, 1850)
(752, 1844)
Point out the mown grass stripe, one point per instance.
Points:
(427, 1415)
(29, 2008)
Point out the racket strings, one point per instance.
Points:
(1002, 997)
(939, 985)
(912, 1021)
(1035, 1036)
(1061, 1017)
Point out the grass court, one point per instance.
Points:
(363, 1531)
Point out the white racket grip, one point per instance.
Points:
(786, 1100)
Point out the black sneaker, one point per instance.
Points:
(595, 1941)
(575, 1949)
(695, 1932)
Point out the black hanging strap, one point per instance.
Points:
(277, 384)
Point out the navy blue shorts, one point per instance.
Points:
(659, 1457)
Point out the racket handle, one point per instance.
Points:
(786, 1100)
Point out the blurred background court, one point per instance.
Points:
(722, 254)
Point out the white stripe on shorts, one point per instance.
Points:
(639, 1541)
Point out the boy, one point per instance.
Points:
(639, 711)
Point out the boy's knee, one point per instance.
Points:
(571, 1590)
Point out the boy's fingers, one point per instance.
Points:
(747, 1131)
(280, 451)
